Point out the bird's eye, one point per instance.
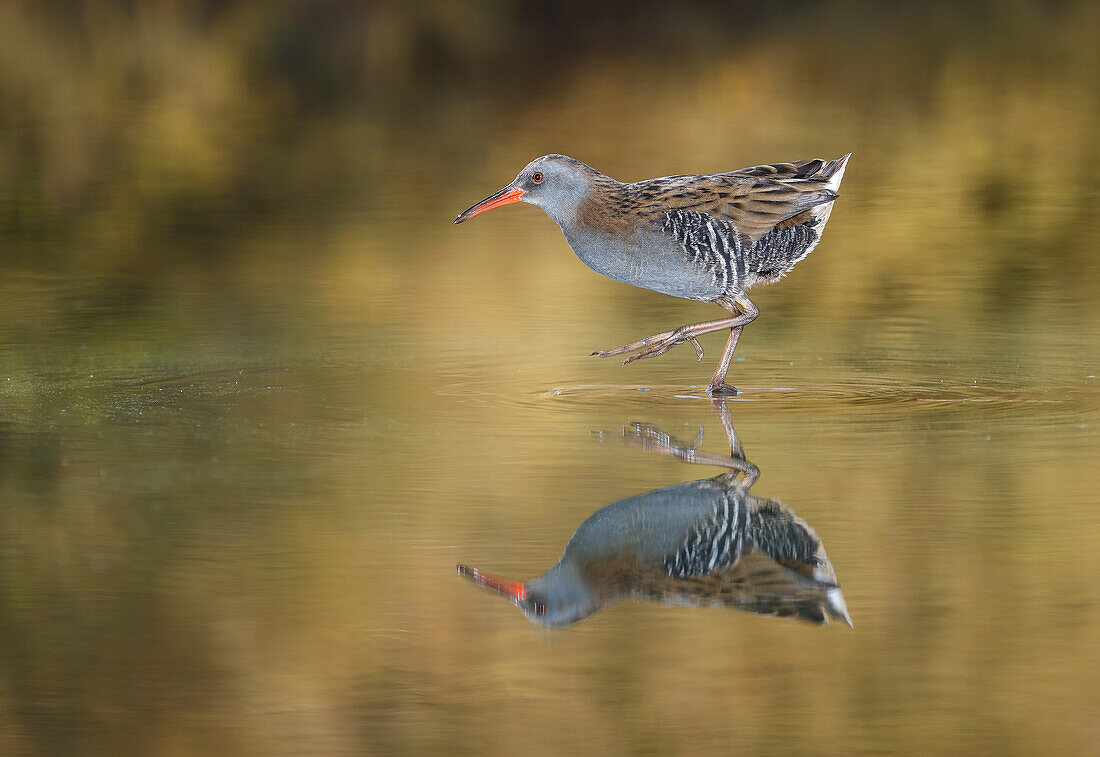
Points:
(536, 177)
(540, 608)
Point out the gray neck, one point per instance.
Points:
(568, 598)
(562, 205)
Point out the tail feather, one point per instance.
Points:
(835, 172)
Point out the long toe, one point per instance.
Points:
(698, 347)
(641, 344)
(657, 349)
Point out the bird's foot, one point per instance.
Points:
(652, 346)
(722, 390)
(651, 438)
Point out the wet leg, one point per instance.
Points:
(744, 307)
(658, 344)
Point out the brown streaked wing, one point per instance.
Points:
(755, 200)
(753, 582)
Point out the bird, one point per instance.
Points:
(701, 543)
(700, 237)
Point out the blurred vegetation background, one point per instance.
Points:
(126, 123)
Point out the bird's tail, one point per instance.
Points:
(834, 172)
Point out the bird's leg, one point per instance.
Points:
(653, 439)
(737, 452)
(658, 344)
(672, 338)
(718, 386)
(745, 306)
(721, 409)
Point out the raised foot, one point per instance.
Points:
(722, 390)
(654, 439)
(652, 346)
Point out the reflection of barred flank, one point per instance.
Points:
(713, 543)
(776, 531)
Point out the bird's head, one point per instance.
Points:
(549, 600)
(555, 183)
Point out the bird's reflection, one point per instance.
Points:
(701, 543)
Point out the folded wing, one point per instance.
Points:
(753, 200)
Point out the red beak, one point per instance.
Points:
(513, 589)
(506, 196)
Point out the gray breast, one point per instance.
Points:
(649, 259)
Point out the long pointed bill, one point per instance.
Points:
(506, 196)
(512, 589)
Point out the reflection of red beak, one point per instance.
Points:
(514, 589)
(506, 196)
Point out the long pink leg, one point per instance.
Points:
(742, 312)
(718, 385)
